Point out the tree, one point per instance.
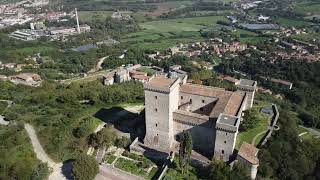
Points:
(122, 142)
(250, 119)
(239, 172)
(219, 170)
(85, 167)
(185, 150)
(103, 138)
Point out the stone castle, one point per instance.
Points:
(211, 114)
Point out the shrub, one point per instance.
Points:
(85, 167)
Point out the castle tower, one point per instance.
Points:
(248, 86)
(161, 100)
(226, 134)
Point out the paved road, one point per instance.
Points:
(42, 155)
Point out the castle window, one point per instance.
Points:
(201, 109)
(222, 151)
(225, 142)
(190, 101)
(202, 101)
(156, 97)
(181, 97)
(226, 133)
(156, 125)
(155, 109)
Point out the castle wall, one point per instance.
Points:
(203, 136)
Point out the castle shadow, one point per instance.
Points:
(66, 169)
(122, 120)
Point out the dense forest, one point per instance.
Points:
(301, 106)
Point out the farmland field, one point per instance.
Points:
(162, 34)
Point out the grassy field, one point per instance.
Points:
(307, 37)
(163, 34)
(88, 16)
(290, 22)
(181, 24)
(308, 7)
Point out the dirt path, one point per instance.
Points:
(255, 137)
(42, 155)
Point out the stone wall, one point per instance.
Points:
(202, 131)
(198, 104)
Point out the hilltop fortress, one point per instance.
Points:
(211, 114)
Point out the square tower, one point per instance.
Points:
(226, 134)
(161, 100)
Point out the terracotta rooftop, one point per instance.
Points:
(249, 153)
(228, 102)
(234, 103)
(161, 81)
(204, 90)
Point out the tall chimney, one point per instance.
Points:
(78, 26)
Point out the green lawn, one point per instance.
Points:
(249, 135)
(109, 158)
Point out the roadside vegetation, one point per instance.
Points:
(17, 158)
(85, 167)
